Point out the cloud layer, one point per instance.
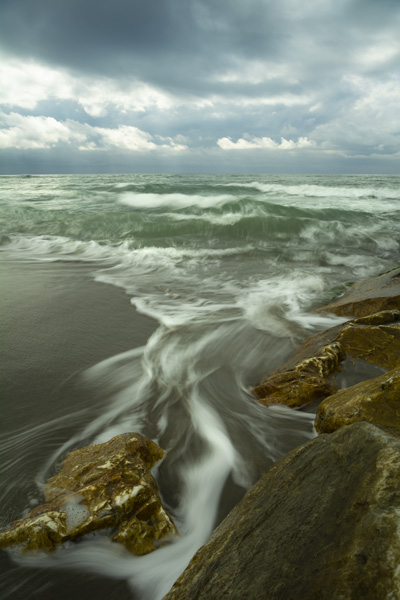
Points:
(184, 83)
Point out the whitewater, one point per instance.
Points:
(229, 269)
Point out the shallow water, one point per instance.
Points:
(229, 269)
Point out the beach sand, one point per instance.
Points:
(56, 321)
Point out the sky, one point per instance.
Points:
(230, 86)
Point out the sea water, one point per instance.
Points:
(229, 268)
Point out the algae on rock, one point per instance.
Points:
(310, 374)
(305, 382)
(99, 487)
(375, 401)
(375, 338)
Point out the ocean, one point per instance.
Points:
(153, 304)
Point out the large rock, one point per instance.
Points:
(307, 381)
(322, 523)
(368, 296)
(375, 400)
(310, 374)
(375, 338)
(104, 486)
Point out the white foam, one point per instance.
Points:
(171, 371)
(123, 254)
(321, 191)
(76, 512)
(176, 200)
(227, 218)
(49, 248)
(279, 303)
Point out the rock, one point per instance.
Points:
(368, 296)
(43, 532)
(310, 374)
(322, 523)
(99, 487)
(305, 382)
(375, 338)
(376, 401)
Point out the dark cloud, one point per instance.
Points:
(155, 40)
(323, 69)
(185, 45)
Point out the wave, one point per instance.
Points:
(153, 212)
(176, 200)
(59, 248)
(319, 191)
(180, 206)
(237, 229)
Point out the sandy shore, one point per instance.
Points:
(56, 321)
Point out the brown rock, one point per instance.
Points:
(43, 532)
(375, 338)
(368, 296)
(376, 401)
(310, 374)
(377, 331)
(322, 524)
(305, 382)
(101, 486)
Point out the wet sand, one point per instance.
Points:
(56, 321)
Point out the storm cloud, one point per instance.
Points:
(200, 85)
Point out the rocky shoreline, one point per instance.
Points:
(323, 522)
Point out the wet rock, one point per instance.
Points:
(307, 381)
(43, 532)
(368, 296)
(375, 338)
(321, 523)
(376, 401)
(103, 486)
(310, 374)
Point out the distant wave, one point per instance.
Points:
(175, 200)
(319, 191)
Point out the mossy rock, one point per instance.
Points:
(310, 374)
(103, 486)
(376, 401)
(305, 382)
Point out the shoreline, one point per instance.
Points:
(329, 508)
(300, 471)
(56, 322)
(50, 326)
